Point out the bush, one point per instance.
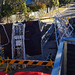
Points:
(43, 6)
(7, 11)
(37, 7)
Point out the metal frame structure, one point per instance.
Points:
(45, 38)
(62, 29)
(18, 41)
(2, 24)
(58, 64)
(41, 27)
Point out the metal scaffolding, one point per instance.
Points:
(18, 41)
(62, 29)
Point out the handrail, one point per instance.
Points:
(58, 60)
(44, 36)
(2, 24)
(62, 27)
(46, 32)
(56, 35)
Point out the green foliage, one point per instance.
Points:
(56, 2)
(52, 2)
(37, 7)
(71, 0)
(7, 10)
(43, 6)
(28, 9)
(33, 8)
(24, 8)
(13, 6)
(65, 1)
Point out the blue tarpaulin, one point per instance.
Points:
(28, 1)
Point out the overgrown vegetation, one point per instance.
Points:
(12, 7)
(7, 10)
(49, 3)
(65, 1)
(36, 7)
(53, 3)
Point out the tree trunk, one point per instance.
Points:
(47, 9)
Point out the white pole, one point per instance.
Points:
(24, 42)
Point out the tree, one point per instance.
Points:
(52, 3)
(65, 1)
(71, 0)
(7, 11)
(12, 6)
(56, 2)
(22, 8)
